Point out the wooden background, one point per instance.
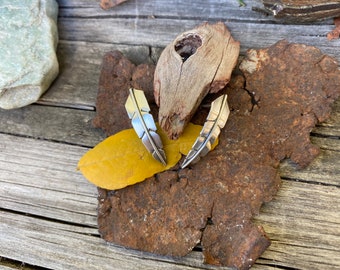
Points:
(48, 210)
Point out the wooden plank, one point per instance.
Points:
(76, 86)
(212, 9)
(328, 131)
(324, 169)
(303, 222)
(167, 9)
(74, 127)
(332, 144)
(80, 63)
(77, 3)
(64, 246)
(38, 178)
(41, 172)
(52, 123)
(67, 91)
(331, 127)
(67, 246)
(9, 266)
(80, 60)
(77, 83)
(160, 32)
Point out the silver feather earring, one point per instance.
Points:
(143, 123)
(216, 120)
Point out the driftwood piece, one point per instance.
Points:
(303, 11)
(213, 201)
(197, 62)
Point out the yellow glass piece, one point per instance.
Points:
(122, 160)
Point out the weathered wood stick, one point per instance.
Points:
(304, 10)
(195, 63)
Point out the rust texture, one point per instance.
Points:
(117, 75)
(335, 33)
(285, 91)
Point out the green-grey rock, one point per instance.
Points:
(28, 42)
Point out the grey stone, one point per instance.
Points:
(28, 42)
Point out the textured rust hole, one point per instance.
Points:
(188, 46)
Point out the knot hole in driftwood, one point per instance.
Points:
(188, 46)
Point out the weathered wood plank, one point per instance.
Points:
(80, 62)
(77, 3)
(213, 9)
(8, 266)
(74, 126)
(52, 123)
(324, 169)
(41, 172)
(302, 237)
(331, 127)
(77, 83)
(64, 246)
(326, 143)
(218, 10)
(39, 178)
(160, 32)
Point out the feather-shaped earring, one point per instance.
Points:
(218, 116)
(143, 123)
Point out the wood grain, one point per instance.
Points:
(313, 230)
(66, 125)
(70, 90)
(48, 210)
(304, 11)
(65, 246)
(197, 62)
(138, 23)
(142, 32)
(77, 83)
(325, 169)
(217, 10)
(47, 206)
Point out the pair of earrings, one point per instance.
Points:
(143, 123)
